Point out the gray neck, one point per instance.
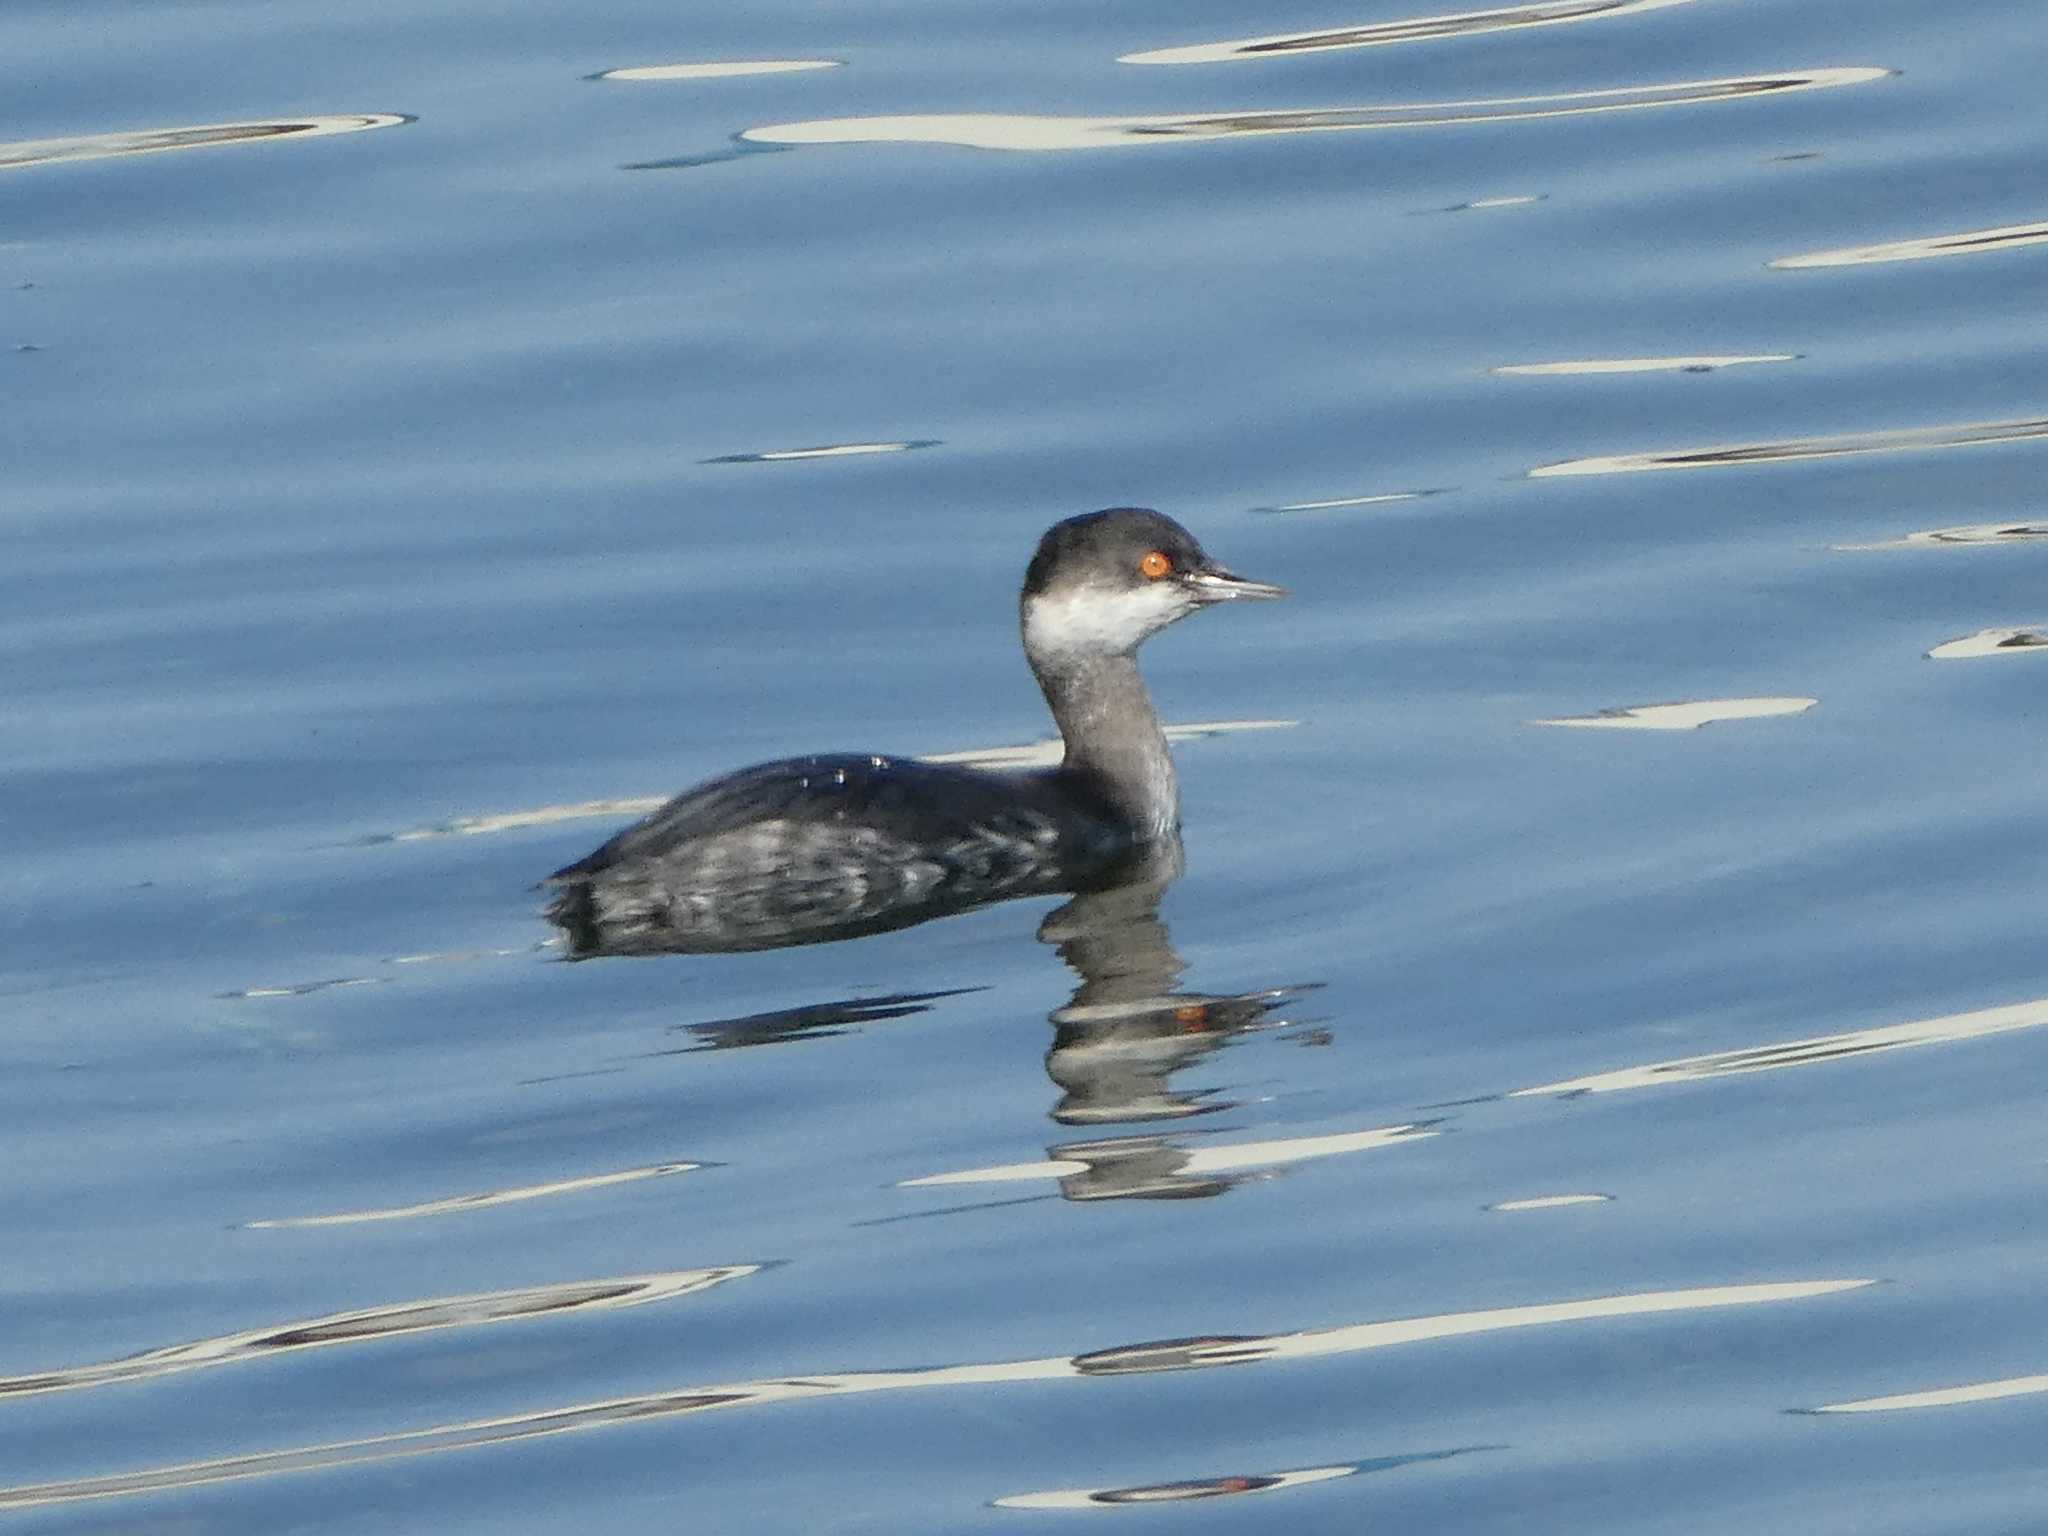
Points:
(1113, 737)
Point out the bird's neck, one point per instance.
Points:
(1113, 738)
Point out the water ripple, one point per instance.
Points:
(1689, 716)
(1229, 1486)
(300, 988)
(1942, 1397)
(2025, 640)
(991, 130)
(1809, 1052)
(380, 1323)
(1961, 535)
(1336, 502)
(1417, 29)
(1968, 243)
(1127, 1165)
(152, 141)
(1599, 365)
(727, 70)
(825, 451)
(476, 1202)
(1902, 440)
(1549, 1202)
(1489, 204)
(810, 1021)
(1133, 1359)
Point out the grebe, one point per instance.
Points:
(807, 849)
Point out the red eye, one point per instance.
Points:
(1154, 565)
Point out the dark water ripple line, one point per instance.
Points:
(1902, 440)
(381, 1323)
(735, 149)
(989, 130)
(1134, 1359)
(1959, 536)
(153, 141)
(809, 1021)
(1419, 29)
(1230, 1485)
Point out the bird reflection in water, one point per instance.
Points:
(1124, 1034)
(1125, 1031)
(1117, 1042)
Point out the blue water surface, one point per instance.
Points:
(384, 502)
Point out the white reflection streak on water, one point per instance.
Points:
(477, 1202)
(1972, 242)
(1414, 30)
(1108, 1498)
(156, 141)
(1943, 1397)
(1603, 365)
(1183, 1354)
(1036, 754)
(1800, 1053)
(1728, 455)
(1963, 535)
(1688, 716)
(2026, 640)
(729, 70)
(1549, 1202)
(826, 451)
(305, 988)
(1223, 1159)
(406, 1317)
(1348, 501)
(990, 130)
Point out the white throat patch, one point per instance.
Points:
(1095, 621)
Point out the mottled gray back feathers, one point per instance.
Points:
(829, 846)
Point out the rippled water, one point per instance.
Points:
(433, 434)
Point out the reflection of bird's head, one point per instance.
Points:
(1102, 582)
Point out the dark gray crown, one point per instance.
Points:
(1105, 548)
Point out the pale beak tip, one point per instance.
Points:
(1220, 585)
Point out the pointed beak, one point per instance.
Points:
(1214, 584)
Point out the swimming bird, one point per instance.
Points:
(831, 846)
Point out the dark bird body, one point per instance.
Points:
(831, 846)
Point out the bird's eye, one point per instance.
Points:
(1154, 565)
